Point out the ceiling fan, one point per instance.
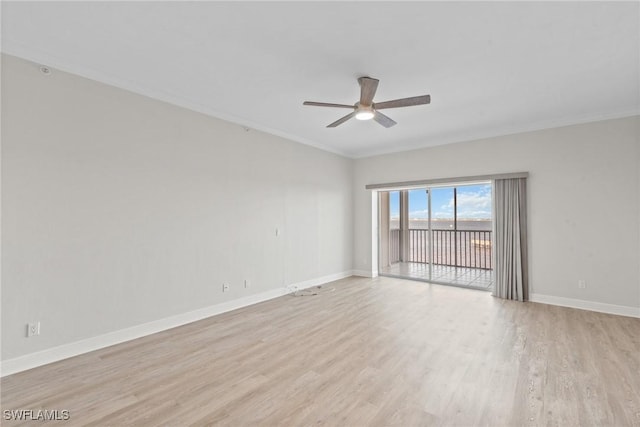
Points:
(366, 109)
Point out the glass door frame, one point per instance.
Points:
(404, 227)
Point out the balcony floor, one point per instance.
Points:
(459, 276)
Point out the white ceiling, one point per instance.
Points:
(490, 68)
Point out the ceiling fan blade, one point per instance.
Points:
(404, 102)
(326, 104)
(368, 87)
(383, 120)
(342, 120)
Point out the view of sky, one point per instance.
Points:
(474, 202)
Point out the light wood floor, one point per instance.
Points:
(362, 352)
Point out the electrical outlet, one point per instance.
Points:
(246, 283)
(33, 329)
(582, 284)
(225, 287)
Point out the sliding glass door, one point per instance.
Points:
(439, 234)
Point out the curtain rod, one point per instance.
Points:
(426, 182)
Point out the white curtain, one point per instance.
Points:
(510, 239)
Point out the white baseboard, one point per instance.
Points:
(621, 310)
(364, 273)
(54, 354)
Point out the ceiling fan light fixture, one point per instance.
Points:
(364, 113)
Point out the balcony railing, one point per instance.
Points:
(456, 248)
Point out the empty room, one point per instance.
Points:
(332, 213)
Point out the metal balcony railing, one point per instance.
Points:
(455, 248)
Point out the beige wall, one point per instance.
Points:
(119, 210)
(583, 205)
